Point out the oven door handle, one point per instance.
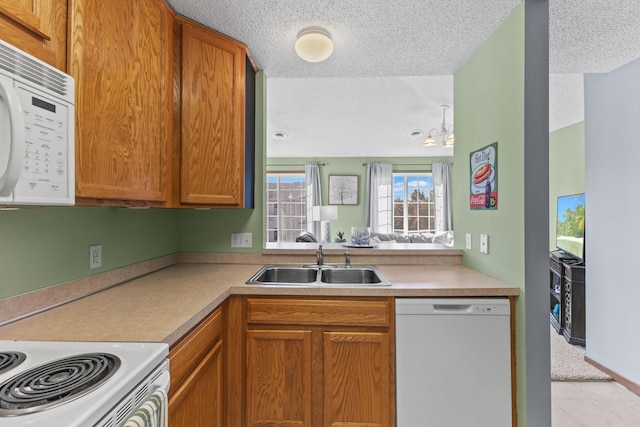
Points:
(154, 410)
(162, 382)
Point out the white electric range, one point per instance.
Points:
(78, 384)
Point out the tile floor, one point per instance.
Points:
(593, 404)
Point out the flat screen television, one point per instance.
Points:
(570, 225)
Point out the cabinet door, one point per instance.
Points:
(196, 396)
(122, 61)
(357, 390)
(278, 377)
(198, 401)
(212, 118)
(39, 27)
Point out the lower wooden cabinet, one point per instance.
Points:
(197, 393)
(317, 362)
(279, 378)
(357, 389)
(304, 362)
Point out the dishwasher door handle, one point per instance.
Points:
(452, 308)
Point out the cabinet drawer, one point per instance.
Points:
(190, 351)
(319, 312)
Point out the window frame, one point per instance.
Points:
(407, 191)
(280, 231)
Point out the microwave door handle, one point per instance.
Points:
(12, 140)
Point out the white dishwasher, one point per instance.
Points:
(453, 362)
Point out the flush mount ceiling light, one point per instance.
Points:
(445, 134)
(279, 135)
(314, 44)
(416, 133)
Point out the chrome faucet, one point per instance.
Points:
(320, 255)
(347, 260)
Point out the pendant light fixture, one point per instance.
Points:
(445, 134)
(314, 44)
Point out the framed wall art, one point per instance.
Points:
(343, 189)
(484, 178)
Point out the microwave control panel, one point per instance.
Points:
(45, 168)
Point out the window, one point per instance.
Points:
(413, 203)
(286, 206)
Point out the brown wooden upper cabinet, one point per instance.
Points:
(160, 108)
(212, 115)
(122, 59)
(38, 27)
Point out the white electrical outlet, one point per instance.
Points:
(468, 241)
(95, 256)
(484, 244)
(241, 240)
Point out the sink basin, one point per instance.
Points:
(274, 274)
(314, 275)
(353, 275)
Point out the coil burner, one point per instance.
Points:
(10, 359)
(54, 383)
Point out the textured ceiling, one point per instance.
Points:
(371, 37)
(593, 36)
(393, 61)
(356, 116)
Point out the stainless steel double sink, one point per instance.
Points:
(318, 275)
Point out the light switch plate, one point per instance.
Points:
(241, 240)
(484, 244)
(468, 241)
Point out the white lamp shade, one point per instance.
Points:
(449, 141)
(429, 142)
(324, 213)
(314, 44)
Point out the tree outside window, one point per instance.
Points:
(413, 203)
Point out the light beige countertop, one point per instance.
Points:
(164, 305)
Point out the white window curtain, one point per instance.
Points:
(379, 197)
(312, 177)
(442, 190)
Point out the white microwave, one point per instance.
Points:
(37, 156)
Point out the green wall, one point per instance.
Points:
(566, 169)
(350, 215)
(210, 230)
(41, 247)
(489, 107)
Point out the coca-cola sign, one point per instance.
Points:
(484, 178)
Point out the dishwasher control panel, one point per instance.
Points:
(488, 309)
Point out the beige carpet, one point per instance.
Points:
(567, 362)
